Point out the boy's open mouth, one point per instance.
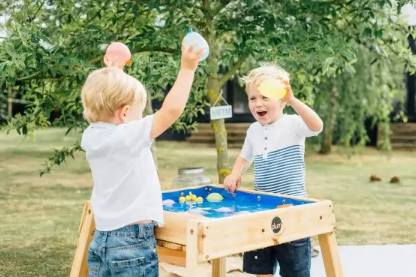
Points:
(261, 113)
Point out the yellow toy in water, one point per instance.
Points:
(275, 89)
(199, 200)
(215, 197)
(190, 198)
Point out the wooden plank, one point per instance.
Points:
(403, 126)
(207, 126)
(233, 132)
(232, 142)
(170, 245)
(87, 229)
(255, 231)
(193, 267)
(235, 145)
(219, 267)
(202, 138)
(404, 138)
(84, 213)
(403, 146)
(330, 255)
(205, 135)
(175, 226)
(170, 256)
(402, 135)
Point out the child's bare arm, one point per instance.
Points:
(309, 116)
(233, 181)
(240, 166)
(175, 101)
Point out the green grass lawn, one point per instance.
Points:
(40, 216)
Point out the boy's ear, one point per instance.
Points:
(122, 113)
(283, 104)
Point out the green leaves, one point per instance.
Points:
(50, 49)
(59, 157)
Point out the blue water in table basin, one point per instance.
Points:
(241, 201)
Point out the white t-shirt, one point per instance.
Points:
(278, 154)
(126, 185)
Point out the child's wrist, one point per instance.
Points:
(292, 100)
(187, 69)
(236, 174)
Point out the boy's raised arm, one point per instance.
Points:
(308, 115)
(175, 101)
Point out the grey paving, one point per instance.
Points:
(372, 261)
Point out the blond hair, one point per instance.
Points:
(108, 89)
(264, 72)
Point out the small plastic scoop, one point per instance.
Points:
(275, 89)
(118, 54)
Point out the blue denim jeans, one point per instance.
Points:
(129, 252)
(294, 259)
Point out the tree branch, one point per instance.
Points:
(96, 15)
(29, 76)
(231, 71)
(151, 48)
(36, 13)
(218, 9)
(97, 59)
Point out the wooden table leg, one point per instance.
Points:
(219, 267)
(330, 255)
(193, 267)
(86, 234)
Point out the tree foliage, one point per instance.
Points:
(52, 45)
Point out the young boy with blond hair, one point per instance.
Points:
(126, 198)
(276, 142)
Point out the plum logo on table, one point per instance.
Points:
(276, 224)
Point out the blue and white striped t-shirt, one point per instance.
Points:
(278, 154)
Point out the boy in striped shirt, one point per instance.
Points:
(276, 142)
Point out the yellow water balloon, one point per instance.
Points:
(275, 89)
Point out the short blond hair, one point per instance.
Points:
(262, 73)
(108, 89)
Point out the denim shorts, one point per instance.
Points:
(129, 252)
(293, 258)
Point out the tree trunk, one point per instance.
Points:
(330, 121)
(149, 110)
(218, 126)
(213, 91)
